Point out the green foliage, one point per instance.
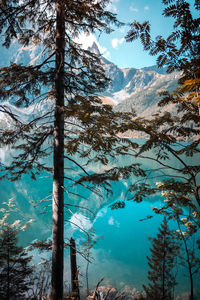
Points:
(117, 205)
(162, 263)
(181, 47)
(167, 134)
(41, 281)
(34, 84)
(15, 266)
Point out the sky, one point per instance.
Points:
(114, 47)
(131, 55)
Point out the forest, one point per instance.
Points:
(67, 150)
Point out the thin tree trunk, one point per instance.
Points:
(190, 270)
(87, 278)
(188, 262)
(8, 275)
(74, 270)
(163, 271)
(58, 160)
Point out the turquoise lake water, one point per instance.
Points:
(120, 256)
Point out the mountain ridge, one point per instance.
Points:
(137, 89)
(130, 88)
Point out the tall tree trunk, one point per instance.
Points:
(58, 160)
(74, 270)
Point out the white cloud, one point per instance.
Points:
(146, 7)
(111, 6)
(80, 221)
(116, 42)
(102, 213)
(112, 222)
(86, 40)
(134, 9)
(107, 54)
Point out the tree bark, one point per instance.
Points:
(74, 270)
(8, 274)
(58, 160)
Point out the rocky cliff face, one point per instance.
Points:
(137, 89)
(144, 98)
(129, 89)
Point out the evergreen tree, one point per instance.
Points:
(68, 75)
(14, 266)
(162, 263)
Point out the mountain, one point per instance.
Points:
(137, 89)
(144, 98)
(130, 88)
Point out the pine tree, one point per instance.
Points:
(68, 75)
(162, 263)
(15, 266)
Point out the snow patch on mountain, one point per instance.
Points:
(129, 88)
(138, 89)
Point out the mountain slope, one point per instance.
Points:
(129, 88)
(144, 99)
(137, 89)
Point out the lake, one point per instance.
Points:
(120, 255)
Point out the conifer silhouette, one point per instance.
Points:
(162, 262)
(14, 266)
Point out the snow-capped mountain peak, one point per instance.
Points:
(94, 49)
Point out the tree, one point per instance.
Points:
(188, 226)
(74, 270)
(191, 259)
(69, 75)
(168, 132)
(162, 263)
(41, 281)
(14, 266)
(90, 240)
(179, 51)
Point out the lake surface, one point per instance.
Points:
(120, 255)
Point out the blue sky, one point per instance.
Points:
(114, 46)
(126, 54)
